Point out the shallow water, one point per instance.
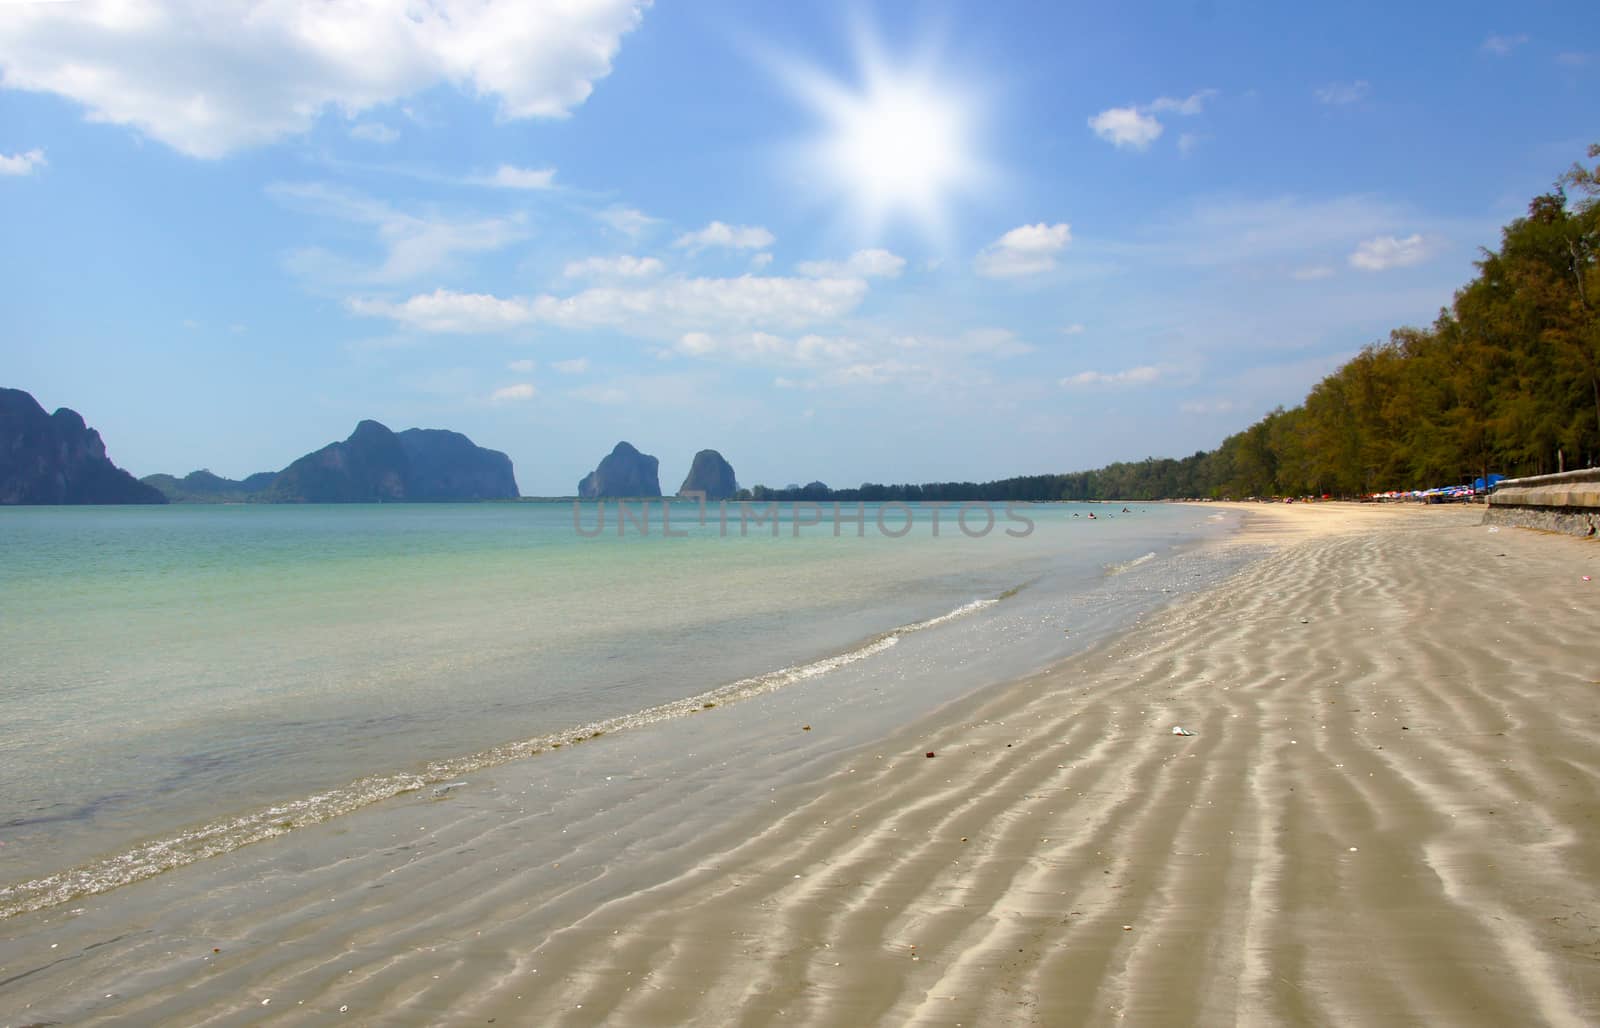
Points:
(180, 681)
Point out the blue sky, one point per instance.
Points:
(850, 242)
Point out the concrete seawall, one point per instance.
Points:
(1568, 502)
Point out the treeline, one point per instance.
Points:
(1506, 380)
(1150, 479)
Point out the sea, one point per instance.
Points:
(179, 682)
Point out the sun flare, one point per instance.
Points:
(898, 146)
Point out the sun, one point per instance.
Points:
(898, 145)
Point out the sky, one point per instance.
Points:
(847, 242)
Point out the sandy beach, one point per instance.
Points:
(1386, 814)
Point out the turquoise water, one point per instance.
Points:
(179, 681)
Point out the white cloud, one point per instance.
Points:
(700, 344)
(1501, 46)
(717, 305)
(820, 349)
(627, 220)
(736, 237)
(1136, 127)
(1025, 250)
(1126, 127)
(1188, 141)
(1139, 376)
(1385, 252)
(767, 348)
(614, 267)
(415, 244)
(1339, 93)
(1074, 329)
(1189, 105)
(374, 132)
(211, 78)
(760, 260)
(22, 163)
(1311, 274)
(444, 311)
(509, 176)
(861, 264)
(871, 373)
(861, 373)
(522, 366)
(575, 366)
(513, 393)
(669, 309)
(870, 359)
(1573, 58)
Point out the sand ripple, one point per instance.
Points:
(1386, 815)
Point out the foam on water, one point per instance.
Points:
(1128, 565)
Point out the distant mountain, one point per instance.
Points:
(374, 465)
(448, 466)
(377, 465)
(204, 487)
(56, 458)
(368, 467)
(712, 475)
(625, 472)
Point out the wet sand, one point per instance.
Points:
(1387, 814)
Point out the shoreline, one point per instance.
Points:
(222, 833)
(227, 833)
(474, 649)
(921, 897)
(863, 859)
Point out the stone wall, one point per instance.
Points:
(1568, 502)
